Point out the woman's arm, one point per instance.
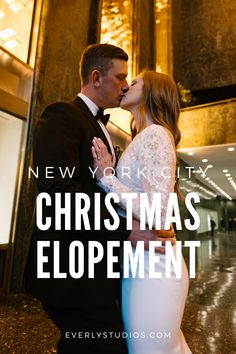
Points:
(156, 153)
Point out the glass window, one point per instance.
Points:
(15, 26)
(10, 148)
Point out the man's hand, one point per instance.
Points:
(151, 235)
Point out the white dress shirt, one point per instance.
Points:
(94, 109)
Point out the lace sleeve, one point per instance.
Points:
(155, 154)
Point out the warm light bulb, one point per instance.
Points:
(9, 1)
(16, 6)
(7, 33)
(2, 14)
(12, 43)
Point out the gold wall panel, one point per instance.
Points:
(208, 125)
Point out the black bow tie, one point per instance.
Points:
(104, 118)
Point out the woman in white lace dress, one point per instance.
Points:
(152, 309)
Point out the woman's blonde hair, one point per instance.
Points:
(160, 102)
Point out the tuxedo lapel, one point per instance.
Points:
(79, 103)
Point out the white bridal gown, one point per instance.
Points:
(152, 308)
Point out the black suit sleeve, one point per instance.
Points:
(57, 143)
(63, 140)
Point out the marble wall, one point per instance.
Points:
(144, 52)
(204, 43)
(66, 32)
(208, 125)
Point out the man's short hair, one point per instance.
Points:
(99, 57)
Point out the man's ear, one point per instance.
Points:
(96, 78)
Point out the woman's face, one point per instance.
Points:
(133, 97)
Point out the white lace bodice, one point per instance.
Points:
(152, 152)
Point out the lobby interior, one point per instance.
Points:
(194, 42)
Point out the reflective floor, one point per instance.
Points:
(210, 315)
(209, 322)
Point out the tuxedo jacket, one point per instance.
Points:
(63, 139)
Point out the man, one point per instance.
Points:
(213, 225)
(81, 308)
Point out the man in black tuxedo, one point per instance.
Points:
(85, 310)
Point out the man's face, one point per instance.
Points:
(114, 84)
(133, 98)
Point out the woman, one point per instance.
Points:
(152, 309)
